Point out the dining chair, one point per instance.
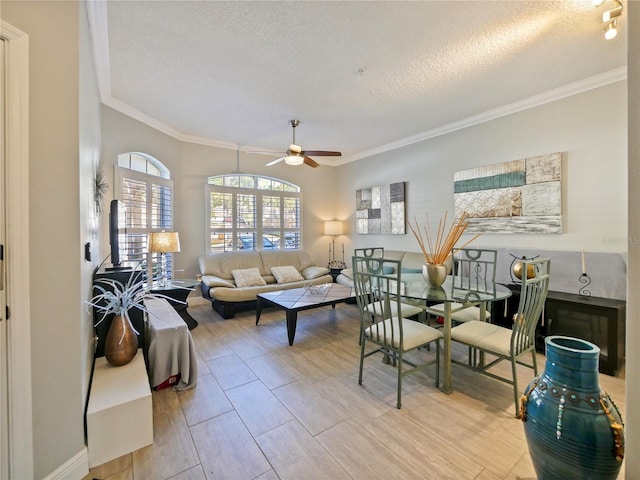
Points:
(408, 309)
(505, 343)
(382, 323)
(473, 269)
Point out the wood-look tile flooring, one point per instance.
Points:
(265, 410)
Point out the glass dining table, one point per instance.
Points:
(466, 291)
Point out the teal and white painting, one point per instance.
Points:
(520, 196)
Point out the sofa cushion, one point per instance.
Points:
(310, 273)
(286, 274)
(222, 264)
(248, 277)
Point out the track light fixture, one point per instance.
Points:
(612, 12)
(611, 30)
(609, 17)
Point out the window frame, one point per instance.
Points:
(122, 171)
(230, 229)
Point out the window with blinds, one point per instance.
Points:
(147, 200)
(249, 212)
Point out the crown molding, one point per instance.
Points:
(131, 112)
(97, 13)
(559, 93)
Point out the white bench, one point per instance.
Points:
(120, 411)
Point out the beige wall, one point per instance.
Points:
(190, 166)
(89, 163)
(590, 127)
(632, 415)
(59, 275)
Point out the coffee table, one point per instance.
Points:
(299, 299)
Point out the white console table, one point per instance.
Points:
(120, 412)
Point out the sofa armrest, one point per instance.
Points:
(213, 281)
(314, 271)
(347, 272)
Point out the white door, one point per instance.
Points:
(16, 414)
(4, 411)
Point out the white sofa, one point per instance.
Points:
(220, 287)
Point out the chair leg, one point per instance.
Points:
(535, 362)
(437, 363)
(362, 343)
(515, 386)
(399, 404)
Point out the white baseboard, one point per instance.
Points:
(76, 468)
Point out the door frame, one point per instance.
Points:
(21, 464)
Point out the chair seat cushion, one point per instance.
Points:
(485, 336)
(463, 314)
(414, 333)
(406, 310)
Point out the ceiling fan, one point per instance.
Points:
(296, 156)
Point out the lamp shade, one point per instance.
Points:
(333, 227)
(164, 242)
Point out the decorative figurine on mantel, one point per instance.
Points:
(516, 268)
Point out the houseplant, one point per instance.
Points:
(436, 250)
(115, 300)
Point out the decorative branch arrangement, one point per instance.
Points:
(441, 247)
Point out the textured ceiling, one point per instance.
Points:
(362, 77)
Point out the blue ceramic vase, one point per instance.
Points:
(573, 429)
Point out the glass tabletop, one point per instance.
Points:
(458, 289)
(172, 284)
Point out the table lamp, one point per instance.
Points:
(163, 243)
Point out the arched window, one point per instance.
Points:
(251, 212)
(144, 186)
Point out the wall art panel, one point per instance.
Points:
(520, 196)
(380, 210)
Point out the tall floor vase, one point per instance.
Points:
(573, 428)
(121, 343)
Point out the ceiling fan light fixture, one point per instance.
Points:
(610, 30)
(294, 159)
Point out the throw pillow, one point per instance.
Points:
(286, 274)
(248, 277)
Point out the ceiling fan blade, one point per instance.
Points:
(273, 162)
(321, 153)
(310, 162)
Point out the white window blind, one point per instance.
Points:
(148, 206)
(249, 212)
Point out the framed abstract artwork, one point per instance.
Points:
(521, 196)
(381, 210)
